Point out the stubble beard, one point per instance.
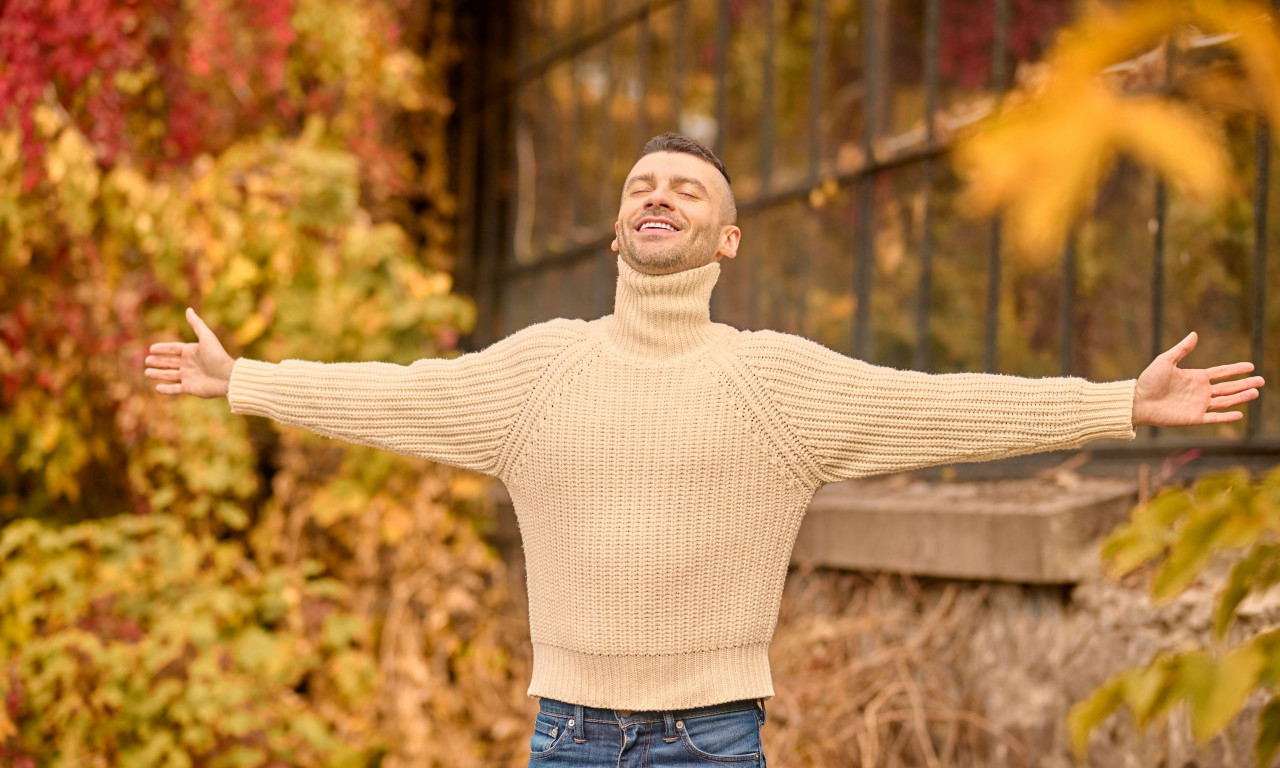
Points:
(694, 251)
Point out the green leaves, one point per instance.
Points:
(170, 656)
(1180, 533)
(1213, 689)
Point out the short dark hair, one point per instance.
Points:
(674, 142)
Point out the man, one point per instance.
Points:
(660, 463)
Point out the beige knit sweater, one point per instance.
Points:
(660, 465)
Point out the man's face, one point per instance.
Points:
(672, 216)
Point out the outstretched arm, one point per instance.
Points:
(457, 411)
(1169, 396)
(201, 368)
(858, 419)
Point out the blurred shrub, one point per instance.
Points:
(134, 643)
(230, 155)
(1180, 533)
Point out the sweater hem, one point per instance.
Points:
(652, 683)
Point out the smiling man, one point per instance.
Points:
(660, 464)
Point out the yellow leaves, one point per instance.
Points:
(1040, 161)
(1181, 532)
(73, 169)
(132, 82)
(1213, 689)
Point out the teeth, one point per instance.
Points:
(657, 225)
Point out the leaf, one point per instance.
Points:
(1215, 692)
(1088, 714)
(313, 731)
(1174, 141)
(1188, 556)
(1146, 691)
(240, 757)
(1268, 732)
(1245, 579)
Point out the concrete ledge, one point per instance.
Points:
(1026, 531)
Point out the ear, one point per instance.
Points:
(729, 237)
(617, 232)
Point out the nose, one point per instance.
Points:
(658, 198)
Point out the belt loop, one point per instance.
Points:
(579, 724)
(669, 727)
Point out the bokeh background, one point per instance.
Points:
(390, 180)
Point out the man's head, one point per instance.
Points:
(677, 209)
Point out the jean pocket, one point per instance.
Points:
(730, 737)
(549, 733)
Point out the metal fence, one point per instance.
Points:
(544, 146)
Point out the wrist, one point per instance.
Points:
(225, 377)
(1140, 416)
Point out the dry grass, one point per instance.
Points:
(867, 673)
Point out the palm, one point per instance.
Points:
(1169, 396)
(201, 368)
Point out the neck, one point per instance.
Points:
(663, 316)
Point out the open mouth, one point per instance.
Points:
(656, 225)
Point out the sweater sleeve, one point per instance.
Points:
(859, 419)
(456, 411)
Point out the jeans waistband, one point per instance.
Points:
(556, 707)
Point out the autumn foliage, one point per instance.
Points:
(1041, 160)
(180, 586)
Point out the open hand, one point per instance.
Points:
(1169, 396)
(202, 368)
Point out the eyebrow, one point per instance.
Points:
(675, 182)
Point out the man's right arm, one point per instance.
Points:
(456, 411)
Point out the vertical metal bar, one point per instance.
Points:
(610, 186)
(571, 133)
(768, 138)
(643, 45)
(681, 63)
(520, 29)
(468, 157)
(722, 75)
(999, 82)
(932, 31)
(607, 151)
(1068, 304)
(767, 118)
(1260, 190)
(866, 183)
(1157, 267)
(816, 81)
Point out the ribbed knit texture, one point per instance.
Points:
(660, 465)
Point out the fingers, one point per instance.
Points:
(169, 389)
(202, 330)
(1221, 417)
(1230, 401)
(163, 375)
(1182, 348)
(175, 361)
(1239, 385)
(167, 348)
(1224, 371)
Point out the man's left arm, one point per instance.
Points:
(858, 419)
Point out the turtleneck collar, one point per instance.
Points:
(662, 316)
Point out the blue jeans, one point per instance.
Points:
(570, 735)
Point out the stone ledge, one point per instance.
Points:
(1026, 531)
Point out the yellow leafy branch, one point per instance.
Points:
(1040, 159)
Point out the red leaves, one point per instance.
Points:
(202, 70)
